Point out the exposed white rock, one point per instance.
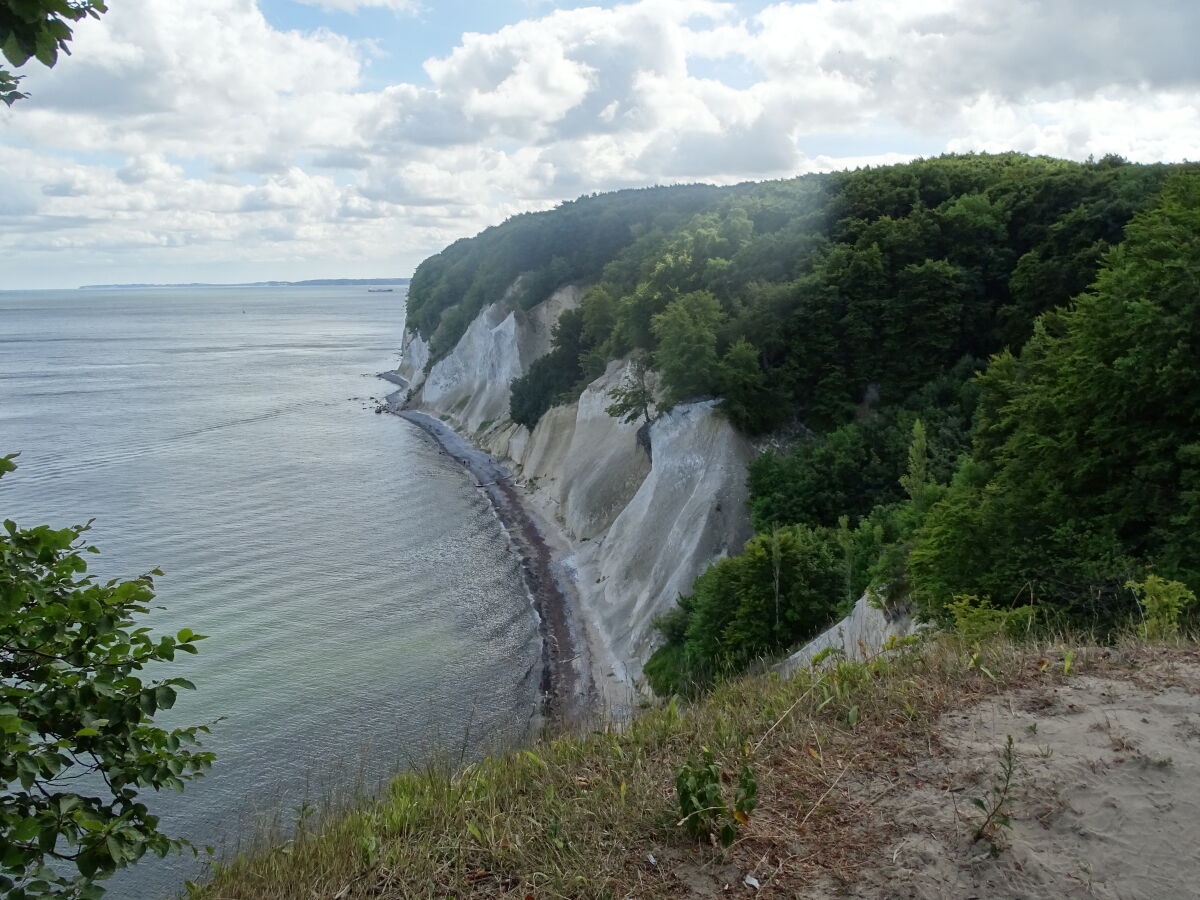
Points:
(586, 462)
(689, 511)
(860, 635)
(470, 385)
(414, 356)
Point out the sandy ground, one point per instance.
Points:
(567, 689)
(1105, 797)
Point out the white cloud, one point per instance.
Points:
(406, 6)
(216, 138)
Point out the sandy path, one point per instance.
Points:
(1105, 799)
(566, 686)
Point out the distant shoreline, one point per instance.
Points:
(313, 282)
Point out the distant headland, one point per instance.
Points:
(315, 282)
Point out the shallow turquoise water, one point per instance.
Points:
(363, 606)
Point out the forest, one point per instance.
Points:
(976, 373)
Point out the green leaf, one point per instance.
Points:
(14, 52)
(26, 830)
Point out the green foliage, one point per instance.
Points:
(750, 401)
(37, 29)
(784, 587)
(977, 620)
(633, 398)
(1162, 603)
(824, 297)
(857, 466)
(996, 803)
(77, 739)
(705, 814)
(687, 346)
(572, 243)
(1086, 465)
(10, 85)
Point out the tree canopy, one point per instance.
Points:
(1086, 460)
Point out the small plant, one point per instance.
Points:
(1162, 603)
(1068, 661)
(995, 805)
(706, 816)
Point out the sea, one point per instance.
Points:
(363, 608)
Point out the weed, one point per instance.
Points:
(996, 803)
(1067, 661)
(702, 802)
(976, 619)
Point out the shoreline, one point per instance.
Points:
(567, 692)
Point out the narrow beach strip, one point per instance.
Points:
(564, 697)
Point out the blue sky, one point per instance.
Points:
(288, 139)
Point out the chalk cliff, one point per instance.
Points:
(634, 533)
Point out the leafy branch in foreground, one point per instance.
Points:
(9, 88)
(77, 738)
(37, 29)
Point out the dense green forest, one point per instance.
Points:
(987, 397)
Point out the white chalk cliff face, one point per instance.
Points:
(471, 383)
(635, 534)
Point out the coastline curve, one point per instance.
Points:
(566, 685)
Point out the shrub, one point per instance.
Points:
(1162, 603)
(73, 706)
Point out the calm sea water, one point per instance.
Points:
(363, 607)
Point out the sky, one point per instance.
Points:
(246, 140)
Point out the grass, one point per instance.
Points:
(595, 814)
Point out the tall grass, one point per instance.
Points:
(594, 815)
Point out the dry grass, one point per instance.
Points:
(594, 815)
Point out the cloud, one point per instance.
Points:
(218, 138)
(405, 6)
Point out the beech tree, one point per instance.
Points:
(37, 29)
(77, 736)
